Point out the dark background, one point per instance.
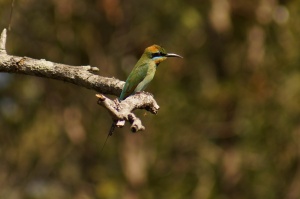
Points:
(229, 123)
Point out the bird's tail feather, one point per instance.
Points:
(112, 128)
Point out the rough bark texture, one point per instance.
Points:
(121, 111)
(82, 76)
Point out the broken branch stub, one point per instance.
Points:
(3, 42)
(122, 111)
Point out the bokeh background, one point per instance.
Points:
(229, 123)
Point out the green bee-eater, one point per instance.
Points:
(142, 74)
(144, 70)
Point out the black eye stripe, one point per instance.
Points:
(155, 54)
(159, 54)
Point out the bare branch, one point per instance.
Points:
(83, 76)
(121, 111)
(78, 75)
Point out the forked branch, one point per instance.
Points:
(123, 111)
(82, 76)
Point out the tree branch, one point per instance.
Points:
(121, 111)
(82, 76)
(78, 75)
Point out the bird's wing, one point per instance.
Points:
(135, 77)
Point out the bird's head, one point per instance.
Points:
(158, 54)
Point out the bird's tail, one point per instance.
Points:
(112, 128)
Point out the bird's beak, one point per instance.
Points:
(173, 55)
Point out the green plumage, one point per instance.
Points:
(142, 74)
(137, 76)
(144, 70)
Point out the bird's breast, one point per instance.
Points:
(148, 78)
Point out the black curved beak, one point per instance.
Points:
(173, 55)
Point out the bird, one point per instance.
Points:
(142, 74)
(144, 70)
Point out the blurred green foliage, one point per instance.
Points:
(229, 124)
